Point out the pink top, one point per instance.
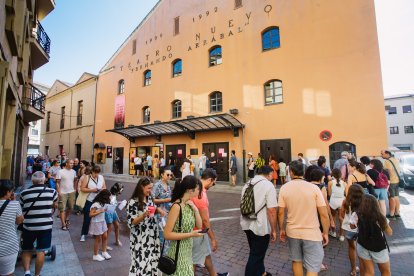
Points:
(202, 204)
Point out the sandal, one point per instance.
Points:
(64, 228)
(324, 267)
(354, 273)
(67, 222)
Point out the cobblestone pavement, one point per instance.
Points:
(233, 249)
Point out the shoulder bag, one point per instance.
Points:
(166, 264)
(400, 181)
(81, 200)
(20, 226)
(4, 206)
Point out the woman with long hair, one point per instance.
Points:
(377, 168)
(144, 239)
(336, 192)
(372, 246)
(351, 204)
(358, 175)
(183, 209)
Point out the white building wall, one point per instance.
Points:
(402, 140)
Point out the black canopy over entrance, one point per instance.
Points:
(186, 126)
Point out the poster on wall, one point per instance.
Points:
(119, 111)
(132, 155)
(109, 152)
(161, 146)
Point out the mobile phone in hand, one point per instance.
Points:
(204, 230)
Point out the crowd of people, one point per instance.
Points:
(313, 204)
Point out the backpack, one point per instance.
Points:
(382, 180)
(207, 163)
(247, 207)
(371, 236)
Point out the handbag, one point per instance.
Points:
(82, 196)
(166, 264)
(20, 226)
(401, 183)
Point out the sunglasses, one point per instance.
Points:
(168, 174)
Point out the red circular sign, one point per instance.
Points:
(325, 135)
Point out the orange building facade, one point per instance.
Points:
(276, 76)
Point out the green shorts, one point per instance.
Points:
(66, 201)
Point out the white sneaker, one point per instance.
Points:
(342, 238)
(106, 255)
(109, 248)
(98, 258)
(332, 234)
(83, 238)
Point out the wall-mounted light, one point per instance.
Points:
(234, 111)
(157, 122)
(190, 117)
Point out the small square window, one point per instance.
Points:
(392, 110)
(394, 130)
(408, 129)
(407, 109)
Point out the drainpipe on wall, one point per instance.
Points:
(70, 120)
(244, 157)
(94, 119)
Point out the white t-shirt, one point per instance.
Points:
(92, 184)
(67, 179)
(264, 193)
(101, 216)
(137, 161)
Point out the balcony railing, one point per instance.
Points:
(43, 38)
(35, 98)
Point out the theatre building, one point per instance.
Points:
(277, 77)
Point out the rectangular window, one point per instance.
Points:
(408, 129)
(62, 117)
(47, 150)
(238, 4)
(176, 25)
(394, 130)
(392, 110)
(48, 121)
(134, 46)
(35, 132)
(80, 112)
(407, 109)
(78, 151)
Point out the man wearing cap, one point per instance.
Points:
(38, 203)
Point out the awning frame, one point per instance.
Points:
(189, 126)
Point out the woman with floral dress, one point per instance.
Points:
(184, 190)
(144, 239)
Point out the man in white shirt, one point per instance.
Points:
(65, 187)
(137, 165)
(262, 229)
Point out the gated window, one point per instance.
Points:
(216, 102)
(62, 117)
(121, 87)
(176, 25)
(147, 78)
(176, 109)
(80, 112)
(273, 92)
(215, 55)
(408, 129)
(270, 38)
(48, 121)
(177, 68)
(146, 114)
(394, 130)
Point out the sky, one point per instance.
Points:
(86, 33)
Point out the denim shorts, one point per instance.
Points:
(381, 193)
(111, 217)
(43, 240)
(201, 249)
(310, 253)
(349, 235)
(377, 257)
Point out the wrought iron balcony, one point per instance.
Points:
(33, 104)
(40, 47)
(43, 38)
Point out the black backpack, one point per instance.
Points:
(371, 236)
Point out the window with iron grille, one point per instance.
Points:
(177, 68)
(121, 87)
(62, 117)
(176, 25)
(48, 121)
(216, 102)
(147, 78)
(408, 129)
(176, 109)
(394, 130)
(270, 38)
(146, 114)
(215, 56)
(273, 92)
(80, 112)
(238, 3)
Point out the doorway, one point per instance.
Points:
(118, 164)
(221, 151)
(179, 152)
(78, 151)
(280, 148)
(338, 147)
